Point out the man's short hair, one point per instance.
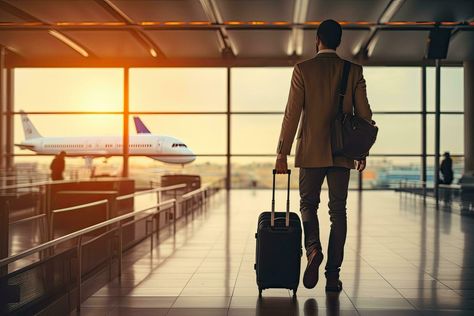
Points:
(330, 33)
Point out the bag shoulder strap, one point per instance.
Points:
(343, 85)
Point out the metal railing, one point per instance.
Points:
(48, 219)
(415, 187)
(79, 235)
(115, 225)
(76, 208)
(158, 191)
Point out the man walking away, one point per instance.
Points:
(57, 166)
(314, 97)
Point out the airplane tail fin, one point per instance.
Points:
(140, 126)
(28, 128)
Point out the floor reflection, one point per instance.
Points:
(403, 257)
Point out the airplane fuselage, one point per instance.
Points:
(163, 148)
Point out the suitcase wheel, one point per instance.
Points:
(294, 293)
(260, 292)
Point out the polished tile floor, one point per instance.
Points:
(402, 258)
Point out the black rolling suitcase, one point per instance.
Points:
(278, 255)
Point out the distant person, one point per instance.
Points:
(57, 166)
(446, 169)
(314, 97)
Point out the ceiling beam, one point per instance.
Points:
(138, 33)
(288, 61)
(25, 16)
(97, 26)
(365, 48)
(52, 30)
(213, 14)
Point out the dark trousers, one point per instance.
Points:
(311, 180)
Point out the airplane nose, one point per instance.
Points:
(191, 156)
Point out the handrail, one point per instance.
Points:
(39, 183)
(190, 194)
(78, 233)
(450, 186)
(77, 207)
(160, 189)
(24, 220)
(34, 184)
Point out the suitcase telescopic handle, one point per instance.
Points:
(287, 217)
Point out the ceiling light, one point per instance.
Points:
(69, 42)
(391, 10)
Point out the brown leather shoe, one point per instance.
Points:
(311, 274)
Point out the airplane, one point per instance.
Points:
(162, 148)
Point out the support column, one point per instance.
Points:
(126, 114)
(423, 129)
(2, 109)
(467, 180)
(10, 79)
(437, 129)
(228, 161)
(469, 119)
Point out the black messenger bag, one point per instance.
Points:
(351, 136)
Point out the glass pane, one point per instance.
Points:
(203, 134)
(387, 172)
(452, 133)
(69, 125)
(398, 134)
(68, 89)
(256, 172)
(260, 89)
(178, 89)
(144, 169)
(255, 134)
(36, 168)
(393, 88)
(452, 88)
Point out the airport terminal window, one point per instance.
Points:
(452, 89)
(452, 133)
(68, 89)
(253, 135)
(144, 170)
(260, 89)
(178, 89)
(388, 172)
(393, 88)
(198, 132)
(69, 125)
(398, 134)
(255, 172)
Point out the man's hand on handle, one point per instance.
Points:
(360, 165)
(281, 164)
